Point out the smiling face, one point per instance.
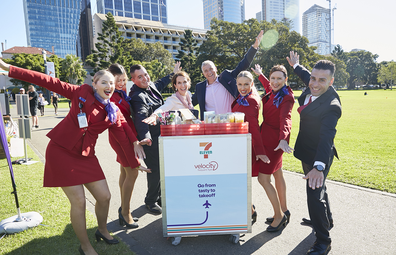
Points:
(120, 81)
(277, 80)
(141, 78)
(182, 85)
(104, 86)
(210, 72)
(320, 81)
(244, 85)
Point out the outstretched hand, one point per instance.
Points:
(177, 67)
(283, 145)
(4, 65)
(294, 58)
(264, 158)
(258, 39)
(257, 69)
(152, 120)
(144, 169)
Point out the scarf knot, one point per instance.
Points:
(123, 95)
(110, 107)
(185, 100)
(279, 96)
(241, 100)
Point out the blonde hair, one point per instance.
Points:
(99, 74)
(248, 75)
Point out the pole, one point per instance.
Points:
(329, 26)
(48, 93)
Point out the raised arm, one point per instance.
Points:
(302, 72)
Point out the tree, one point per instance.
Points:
(341, 76)
(339, 53)
(387, 73)
(109, 47)
(187, 57)
(28, 61)
(72, 70)
(362, 68)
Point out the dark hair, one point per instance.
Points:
(325, 65)
(178, 74)
(134, 68)
(116, 69)
(279, 68)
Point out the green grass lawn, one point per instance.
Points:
(55, 235)
(365, 140)
(62, 103)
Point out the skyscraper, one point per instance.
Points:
(281, 9)
(316, 28)
(154, 10)
(85, 31)
(227, 10)
(52, 23)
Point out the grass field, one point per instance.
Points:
(365, 140)
(55, 235)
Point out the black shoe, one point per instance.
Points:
(36, 126)
(319, 249)
(154, 208)
(254, 215)
(135, 219)
(99, 236)
(159, 202)
(309, 222)
(81, 251)
(277, 228)
(271, 219)
(123, 222)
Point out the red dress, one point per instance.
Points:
(70, 156)
(125, 108)
(251, 116)
(276, 126)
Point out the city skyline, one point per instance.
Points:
(357, 26)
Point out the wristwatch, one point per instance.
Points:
(320, 168)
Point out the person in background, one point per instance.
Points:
(33, 104)
(70, 156)
(275, 129)
(41, 103)
(55, 99)
(320, 110)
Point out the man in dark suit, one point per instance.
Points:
(320, 109)
(217, 93)
(145, 99)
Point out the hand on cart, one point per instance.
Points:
(264, 158)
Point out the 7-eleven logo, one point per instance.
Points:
(206, 150)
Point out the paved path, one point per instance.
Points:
(364, 219)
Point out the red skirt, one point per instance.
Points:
(68, 168)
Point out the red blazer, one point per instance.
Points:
(67, 133)
(251, 115)
(125, 108)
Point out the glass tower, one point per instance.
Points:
(227, 10)
(154, 10)
(282, 9)
(315, 23)
(52, 24)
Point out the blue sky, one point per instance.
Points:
(364, 24)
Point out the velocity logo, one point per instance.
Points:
(206, 150)
(211, 166)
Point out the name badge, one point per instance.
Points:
(82, 120)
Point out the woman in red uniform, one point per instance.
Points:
(70, 156)
(275, 132)
(248, 102)
(128, 174)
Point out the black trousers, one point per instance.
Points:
(153, 178)
(319, 206)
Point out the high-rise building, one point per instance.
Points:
(52, 24)
(85, 32)
(154, 10)
(227, 10)
(259, 16)
(282, 9)
(316, 28)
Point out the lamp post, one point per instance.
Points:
(329, 26)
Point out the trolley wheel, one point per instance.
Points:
(176, 240)
(234, 238)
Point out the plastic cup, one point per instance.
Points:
(239, 117)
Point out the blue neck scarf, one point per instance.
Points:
(123, 95)
(241, 100)
(279, 95)
(110, 107)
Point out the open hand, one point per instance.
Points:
(283, 145)
(177, 67)
(315, 178)
(294, 58)
(4, 65)
(264, 158)
(257, 69)
(152, 120)
(144, 169)
(258, 39)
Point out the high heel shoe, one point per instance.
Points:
(108, 241)
(135, 219)
(123, 222)
(254, 215)
(287, 213)
(277, 228)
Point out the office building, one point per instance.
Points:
(52, 24)
(316, 27)
(85, 32)
(150, 31)
(154, 10)
(259, 16)
(227, 10)
(282, 9)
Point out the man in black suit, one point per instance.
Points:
(217, 93)
(145, 99)
(320, 109)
